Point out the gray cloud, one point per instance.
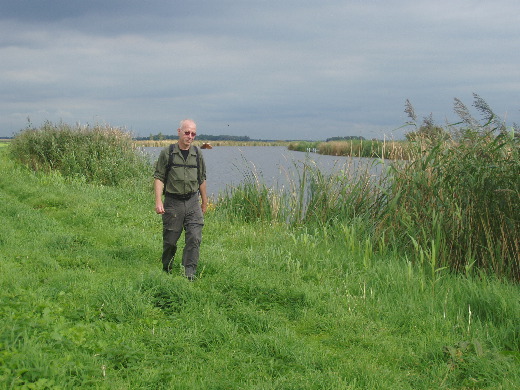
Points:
(285, 70)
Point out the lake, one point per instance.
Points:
(226, 166)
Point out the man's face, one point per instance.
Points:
(187, 133)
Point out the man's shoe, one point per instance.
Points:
(191, 278)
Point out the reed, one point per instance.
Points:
(453, 205)
(311, 198)
(463, 196)
(303, 146)
(252, 200)
(394, 150)
(100, 154)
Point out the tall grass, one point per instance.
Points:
(311, 196)
(394, 150)
(458, 202)
(452, 205)
(252, 200)
(100, 154)
(303, 146)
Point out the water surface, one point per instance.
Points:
(226, 166)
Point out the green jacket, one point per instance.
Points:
(183, 177)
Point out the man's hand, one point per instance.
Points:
(203, 196)
(159, 208)
(158, 189)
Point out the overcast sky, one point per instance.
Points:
(273, 69)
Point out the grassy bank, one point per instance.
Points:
(312, 305)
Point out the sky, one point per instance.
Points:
(272, 69)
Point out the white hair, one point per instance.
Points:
(183, 122)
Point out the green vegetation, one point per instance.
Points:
(457, 199)
(102, 155)
(339, 282)
(395, 150)
(347, 138)
(458, 204)
(452, 205)
(303, 146)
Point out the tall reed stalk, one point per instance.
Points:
(463, 192)
(483, 176)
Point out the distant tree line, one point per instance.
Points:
(241, 138)
(347, 138)
(206, 137)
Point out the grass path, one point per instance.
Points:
(84, 304)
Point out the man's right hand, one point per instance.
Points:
(159, 208)
(158, 186)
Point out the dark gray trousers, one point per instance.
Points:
(182, 215)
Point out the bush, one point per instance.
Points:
(460, 200)
(457, 201)
(102, 154)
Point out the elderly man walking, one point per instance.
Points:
(180, 174)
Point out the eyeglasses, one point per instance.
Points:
(193, 134)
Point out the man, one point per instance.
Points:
(181, 208)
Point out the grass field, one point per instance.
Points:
(84, 303)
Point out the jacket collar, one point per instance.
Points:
(177, 149)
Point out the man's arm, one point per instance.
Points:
(158, 186)
(204, 196)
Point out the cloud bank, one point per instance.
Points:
(265, 69)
